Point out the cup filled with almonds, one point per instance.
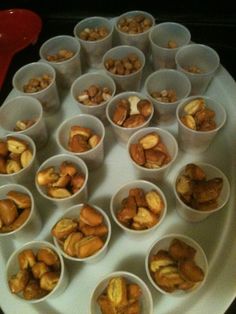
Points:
(17, 158)
(62, 179)
(152, 151)
(138, 207)
(83, 136)
(128, 112)
(125, 65)
(95, 37)
(121, 292)
(201, 190)
(92, 92)
(200, 118)
(19, 217)
(24, 115)
(176, 265)
(83, 233)
(36, 272)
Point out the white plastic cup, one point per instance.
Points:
(196, 142)
(25, 175)
(167, 79)
(146, 297)
(130, 82)
(123, 134)
(32, 226)
(160, 35)
(193, 215)
(116, 204)
(74, 212)
(93, 51)
(163, 243)
(157, 174)
(86, 80)
(48, 96)
(12, 268)
(55, 161)
(24, 108)
(139, 40)
(93, 157)
(203, 57)
(67, 70)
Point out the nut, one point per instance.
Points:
(88, 246)
(134, 121)
(90, 216)
(117, 291)
(49, 280)
(18, 282)
(26, 158)
(61, 55)
(15, 145)
(56, 192)
(47, 176)
(12, 166)
(194, 106)
(63, 228)
(26, 259)
(150, 140)
(137, 154)
(37, 84)
(3, 149)
(21, 200)
(124, 66)
(22, 125)
(145, 108)
(154, 202)
(165, 95)
(8, 211)
(133, 100)
(94, 33)
(189, 122)
(47, 256)
(71, 243)
(134, 24)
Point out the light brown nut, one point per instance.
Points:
(22, 125)
(120, 113)
(78, 144)
(133, 100)
(194, 172)
(205, 191)
(128, 211)
(117, 291)
(18, 282)
(149, 140)
(22, 200)
(26, 259)
(184, 185)
(68, 168)
(26, 158)
(58, 192)
(168, 278)
(18, 222)
(3, 165)
(137, 153)
(89, 246)
(139, 196)
(71, 243)
(155, 202)
(77, 182)
(189, 121)
(99, 231)
(204, 115)
(33, 291)
(39, 269)
(194, 106)
(145, 108)
(47, 256)
(8, 211)
(179, 250)
(3, 149)
(106, 305)
(94, 140)
(134, 292)
(145, 218)
(90, 216)
(15, 145)
(47, 176)
(155, 158)
(62, 181)
(161, 259)
(49, 280)
(134, 121)
(190, 271)
(13, 166)
(76, 129)
(63, 228)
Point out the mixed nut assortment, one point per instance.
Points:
(134, 24)
(61, 55)
(36, 84)
(94, 95)
(124, 66)
(165, 95)
(94, 33)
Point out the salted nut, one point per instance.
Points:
(94, 95)
(38, 274)
(175, 268)
(125, 66)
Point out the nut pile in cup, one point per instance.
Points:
(14, 211)
(175, 268)
(120, 296)
(38, 275)
(165, 95)
(194, 69)
(82, 139)
(172, 44)
(94, 33)
(36, 84)
(94, 95)
(15, 155)
(198, 117)
(134, 24)
(22, 125)
(196, 191)
(81, 236)
(150, 152)
(132, 112)
(124, 66)
(63, 182)
(140, 210)
(60, 56)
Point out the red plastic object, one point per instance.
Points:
(18, 29)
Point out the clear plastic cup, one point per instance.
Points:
(123, 134)
(162, 37)
(48, 96)
(167, 79)
(23, 108)
(130, 82)
(12, 267)
(156, 174)
(31, 227)
(84, 82)
(146, 297)
(203, 58)
(79, 196)
(122, 193)
(74, 212)
(93, 157)
(93, 51)
(196, 142)
(67, 70)
(193, 215)
(200, 259)
(139, 40)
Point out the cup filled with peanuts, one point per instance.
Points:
(121, 292)
(82, 233)
(38, 79)
(200, 118)
(92, 92)
(176, 265)
(138, 207)
(152, 151)
(19, 216)
(36, 272)
(62, 179)
(201, 190)
(83, 136)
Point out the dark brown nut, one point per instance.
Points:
(99, 231)
(145, 108)
(149, 140)
(62, 55)
(205, 191)
(93, 34)
(179, 250)
(161, 259)
(90, 216)
(155, 202)
(26, 259)
(26, 158)
(58, 192)
(8, 211)
(145, 218)
(16, 145)
(18, 282)
(117, 291)
(3, 165)
(49, 280)
(129, 210)
(19, 221)
(33, 291)
(62, 181)
(168, 278)
(3, 149)
(47, 256)
(88, 246)
(154, 158)
(78, 144)
(47, 176)
(194, 172)
(39, 269)
(139, 197)
(76, 129)
(120, 113)
(137, 154)
(63, 228)
(77, 182)
(190, 271)
(106, 305)
(134, 292)
(37, 84)
(68, 168)
(22, 200)
(134, 121)
(71, 243)
(206, 206)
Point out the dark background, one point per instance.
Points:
(209, 22)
